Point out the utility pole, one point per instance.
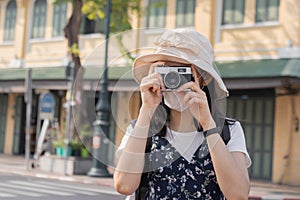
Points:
(28, 100)
(101, 125)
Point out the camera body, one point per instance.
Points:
(174, 77)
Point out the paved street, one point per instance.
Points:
(18, 183)
(17, 187)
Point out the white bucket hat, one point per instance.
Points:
(183, 46)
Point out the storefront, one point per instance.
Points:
(261, 92)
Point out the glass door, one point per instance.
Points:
(19, 127)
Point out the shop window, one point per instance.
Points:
(59, 18)
(266, 10)
(39, 19)
(157, 13)
(233, 11)
(10, 21)
(185, 12)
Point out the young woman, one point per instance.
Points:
(184, 156)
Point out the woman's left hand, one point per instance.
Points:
(197, 101)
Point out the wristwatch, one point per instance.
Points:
(212, 131)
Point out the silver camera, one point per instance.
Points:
(174, 77)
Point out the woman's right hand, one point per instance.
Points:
(151, 87)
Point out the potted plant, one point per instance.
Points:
(84, 153)
(76, 147)
(59, 147)
(86, 134)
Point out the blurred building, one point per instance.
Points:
(257, 50)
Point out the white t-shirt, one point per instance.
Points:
(187, 143)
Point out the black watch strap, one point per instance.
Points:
(212, 131)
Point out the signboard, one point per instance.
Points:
(46, 106)
(96, 142)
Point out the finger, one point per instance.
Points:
(149, 84)
(151, 78)
(195, 100)
(151, 69)
(160, 79)
(158, 92)
(153, 66)
(189, 85)
(188, 97)
(193, 95)
(184, 87)
(156, 89)
(157, 76)
(195, 87)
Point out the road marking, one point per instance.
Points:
(46, 186)
(6, 185)
(24, 193)
(98, 190)
(7, 195)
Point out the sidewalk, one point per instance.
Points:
(16, 165)
(259, 190)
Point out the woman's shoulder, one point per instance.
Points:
(234, 125)
(229, 121)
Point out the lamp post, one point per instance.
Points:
(101, 125)
(68, 104)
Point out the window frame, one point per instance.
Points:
(156, 15)
(39, 22)
(59, 11)
(185, 14)
(266, 12)
(10, 21)
(232, 17)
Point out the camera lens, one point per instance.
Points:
(172, 80)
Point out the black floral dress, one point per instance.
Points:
(177, 178)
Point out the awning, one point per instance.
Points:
(260, 68)
(255, 74)
(250, 74)
(13, 79)
(59, 73)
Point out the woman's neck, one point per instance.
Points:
(181, 121)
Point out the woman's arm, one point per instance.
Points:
(130, 164)
(230, 168)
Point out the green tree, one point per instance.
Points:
(120, 16)
(120, 21)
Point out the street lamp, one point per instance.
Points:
(101, 125)
(69, 98)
